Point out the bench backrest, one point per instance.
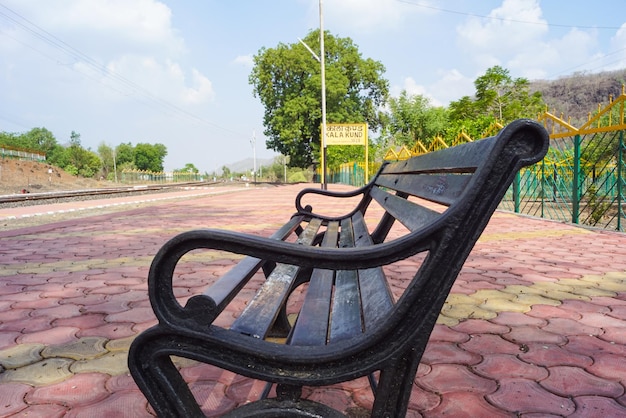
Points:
(475, 175)
(470, 179)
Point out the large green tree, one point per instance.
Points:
(150, 157)
(412, 118)
(499, 97)
(287, 80)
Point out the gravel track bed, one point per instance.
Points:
(51, 201)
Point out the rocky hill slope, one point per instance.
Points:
(579, 94)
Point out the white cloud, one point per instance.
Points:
(129, 46)
(147, 77)
(617, 58)
(517, 37)
(245, 60)
(503, 32)
(451, 85)
(369, 15)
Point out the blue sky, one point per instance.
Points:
(176, 71)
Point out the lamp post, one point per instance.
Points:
(253, 142)
(321, 60)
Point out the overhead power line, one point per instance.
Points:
(503, 19)
(128, 86)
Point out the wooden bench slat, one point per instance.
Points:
(345, 320)
(444, 188)
(461, 158)
(410, 214)
(311, 327)
(346, 311)
(224, 289)
(259, 315)
(376, 296)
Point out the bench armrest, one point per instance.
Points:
(160, 278)
(308, 210)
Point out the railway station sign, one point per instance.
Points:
(346, 134)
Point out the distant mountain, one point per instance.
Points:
(579, 94)
(247, 165)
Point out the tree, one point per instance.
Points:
(107, 157)
(150, 157)
(125, 155)
(287, 80)
(498, 97)
(40, 139)
(188, 168)
(504, 98)
(413, 118)
(225, 172)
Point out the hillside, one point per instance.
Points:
(33, 177)
(578, 94)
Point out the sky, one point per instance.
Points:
(176, 72)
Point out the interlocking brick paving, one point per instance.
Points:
(535, 326)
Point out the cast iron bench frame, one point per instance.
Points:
(349, 325)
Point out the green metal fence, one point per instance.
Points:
(582, 180)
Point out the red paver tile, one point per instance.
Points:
(337, 399)
(582, 307)
(553, 355)
(446, 378)
(601, 320)
(485, 344)
(566, 326)
(8, 339)
(120, 404)
(35, 303)
(106, 307)
(205, 372)
(245, 390)
(547, 311)
(465, 405)
(80, 389)
(83, 321)
(527, 335)
(523, 396)
(614, 335)
(608, 365)
(592, 346)
(58, 311)
(212, 398)
(480, 326)
(42, 411)
(53, 336)
(510, 319)
(499, 366)
(121, 383)
(109, 331)
(12, 398)
(574, 381)
(133, 315)
(445, 333)
(444, 352)
(597, 406)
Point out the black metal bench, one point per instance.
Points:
(349, 325)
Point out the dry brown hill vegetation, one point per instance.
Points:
(579, 94)
(29, 176)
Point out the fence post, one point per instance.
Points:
(621, 165)
(516, 191)
(543, 187)
(576, 181)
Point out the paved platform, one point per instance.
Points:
(535, 325)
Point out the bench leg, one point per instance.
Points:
(159, 379)
(394, 386)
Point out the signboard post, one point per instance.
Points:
(349, 134)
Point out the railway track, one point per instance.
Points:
(86, 194)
